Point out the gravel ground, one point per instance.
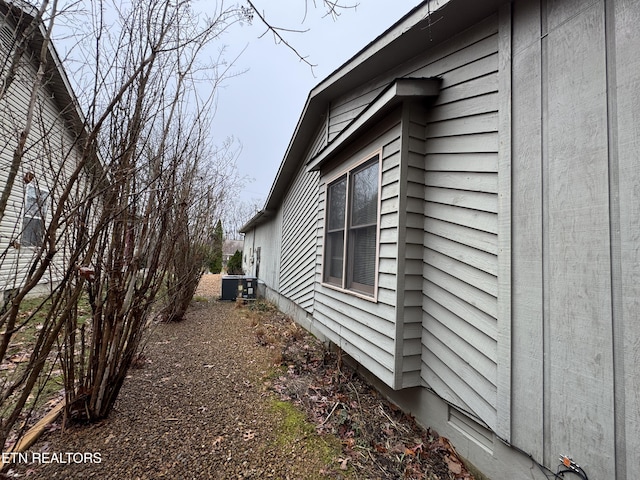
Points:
(196, 409)
(207, 403)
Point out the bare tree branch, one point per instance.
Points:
(333, 9)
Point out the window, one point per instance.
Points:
(34, 215)
(352, 228)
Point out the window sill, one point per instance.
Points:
(354, 293)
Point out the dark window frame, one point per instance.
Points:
(342, 232)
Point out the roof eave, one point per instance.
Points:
(401, 90)
(259, 218)
(428, 24)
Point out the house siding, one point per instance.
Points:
(576, 239)
(460, 224)
(344, 110)
(509, 276)
(625, 199)
(49, 154)
(410, 256)
(298, 257)
(439, 192)
(364, 329)
(576, 258)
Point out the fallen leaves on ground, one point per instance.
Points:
(378, 439)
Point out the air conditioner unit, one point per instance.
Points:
(234, 286)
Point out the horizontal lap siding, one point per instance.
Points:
(364, 329)
(460, 241)
(343, 111)
(409, 351)
(49, 148)
(320, 140)
(299, 226)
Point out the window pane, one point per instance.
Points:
(32, 205)
(33, 219)
(337, 202)
(363, 246)
(335, 255)
(33, 232)
(364, 202)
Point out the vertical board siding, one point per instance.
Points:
(575, 223)
(626, 328)
(527, 293)
(578, 278)
(299, 225)
(460, 238)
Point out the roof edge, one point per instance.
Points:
(401, 89)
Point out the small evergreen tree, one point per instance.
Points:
(234, 265)
(215, 261)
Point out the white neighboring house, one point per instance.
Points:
(50, 153)
(459, 211)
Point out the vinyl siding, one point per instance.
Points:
(410, 242)
(344, 110)
(299, 225)
(440, 185)
(460, 241)
(523, 181)
(268, 238)
(49, 155)
(365, 329)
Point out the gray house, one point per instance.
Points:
(459, 211)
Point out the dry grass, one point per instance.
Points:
(210, 286)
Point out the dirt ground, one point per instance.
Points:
(237, 392)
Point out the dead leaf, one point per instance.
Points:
(454, 465)
(343, 463)
(19, 358)
(349, 442)
(248, 435)
(379, 448)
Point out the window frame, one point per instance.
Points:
(346, 283)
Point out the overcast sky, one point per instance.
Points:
(261, 107)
